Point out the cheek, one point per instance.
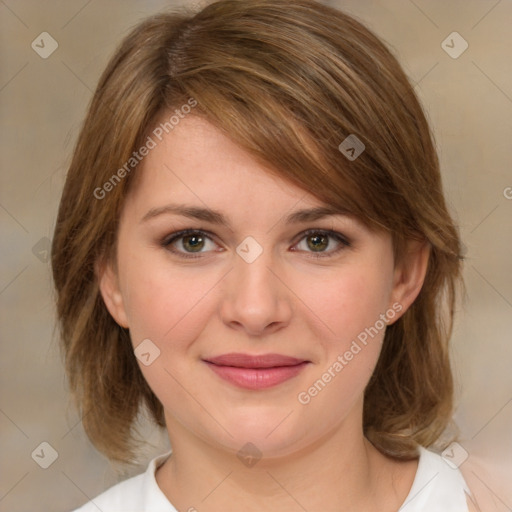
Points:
(165, 304)
(170, 308)
(349, 302)
(350, 308)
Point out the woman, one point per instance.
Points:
(253, 245)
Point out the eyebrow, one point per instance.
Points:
(215, 217)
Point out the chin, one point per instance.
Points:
(272, 434)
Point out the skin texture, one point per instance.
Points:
(286, 301)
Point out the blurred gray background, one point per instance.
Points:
(468, 98)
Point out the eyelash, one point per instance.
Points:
(173, 237)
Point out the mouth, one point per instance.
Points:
(256, 372)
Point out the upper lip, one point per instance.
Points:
(257, 361)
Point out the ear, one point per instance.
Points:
(409, 274)
(109, 288)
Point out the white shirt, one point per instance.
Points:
(436, 487)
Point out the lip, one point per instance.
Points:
(258, 371)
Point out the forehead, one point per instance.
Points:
(197, 164)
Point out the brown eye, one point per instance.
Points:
(193, 242)
(189, 242)
(319, 243)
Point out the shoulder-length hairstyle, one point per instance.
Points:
(288, 82)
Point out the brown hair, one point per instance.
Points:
(288, 82)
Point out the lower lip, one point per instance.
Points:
(257, 378)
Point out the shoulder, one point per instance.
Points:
(122, 495)
(488, 482)
(138, 493)
(438, 485)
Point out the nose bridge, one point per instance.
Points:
(256, 298)
(254, 274)
(253, 280)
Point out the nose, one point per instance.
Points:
(255, 298)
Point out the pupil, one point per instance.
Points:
(317, 242)
(196, 242)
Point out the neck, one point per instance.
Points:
(331, 474)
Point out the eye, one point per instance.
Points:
(192, 242)
(318, 241)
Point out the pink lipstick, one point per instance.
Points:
(258, 371)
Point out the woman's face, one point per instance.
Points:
(253, 284)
